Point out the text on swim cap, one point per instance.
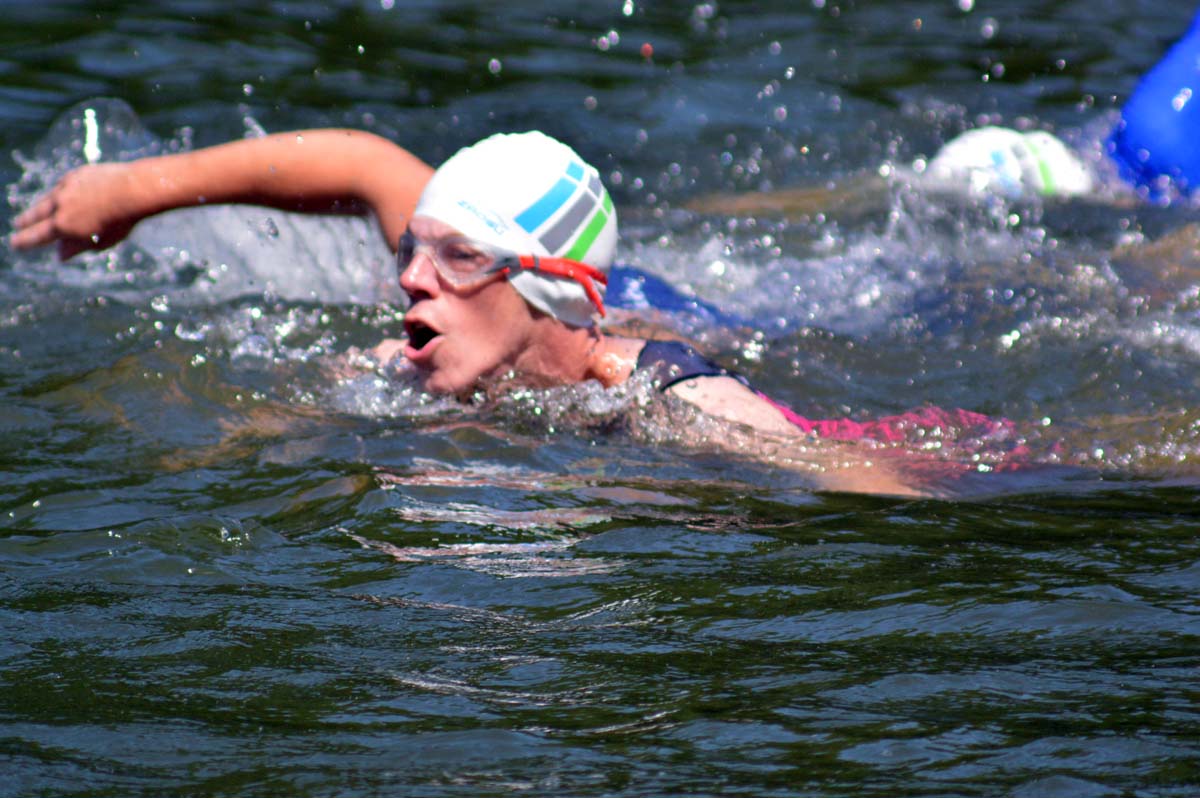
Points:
(493, 221)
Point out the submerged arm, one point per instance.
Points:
(327, 170)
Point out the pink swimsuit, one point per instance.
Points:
(674, 362)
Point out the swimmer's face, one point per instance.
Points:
(460, 336)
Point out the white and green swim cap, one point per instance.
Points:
(533, 195)
(999, 160)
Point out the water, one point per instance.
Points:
(233, 565)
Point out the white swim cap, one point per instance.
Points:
(998, 160)
(530, 194)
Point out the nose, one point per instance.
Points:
(420, 276)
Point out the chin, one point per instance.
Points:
(431, 383)
(442, 384)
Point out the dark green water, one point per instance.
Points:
(226, 570)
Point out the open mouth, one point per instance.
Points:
(419, 334)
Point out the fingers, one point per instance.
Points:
(41, 224)
(35, 226)
(33, 234)
(76, 213)
(42, 207)
(45, 232)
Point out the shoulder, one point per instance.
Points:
(717, 391)
(673, 362)
(733, 400)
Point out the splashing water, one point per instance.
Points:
(984, 282)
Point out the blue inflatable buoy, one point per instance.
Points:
(1159, 133)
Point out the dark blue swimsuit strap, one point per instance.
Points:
(673, 362)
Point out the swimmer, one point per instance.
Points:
(1153, 146)
(1153, 149)
(503, 253)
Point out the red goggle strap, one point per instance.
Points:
(581, 273)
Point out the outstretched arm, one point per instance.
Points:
(328, 170)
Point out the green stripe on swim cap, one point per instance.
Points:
(579, 249)
(1044, 170)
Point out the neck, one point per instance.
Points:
(557, 354)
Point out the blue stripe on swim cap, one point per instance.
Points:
(1000, 160)
(536, 214)
(548, 204)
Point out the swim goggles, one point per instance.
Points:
(464, 262)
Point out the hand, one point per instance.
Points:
(89, 208)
